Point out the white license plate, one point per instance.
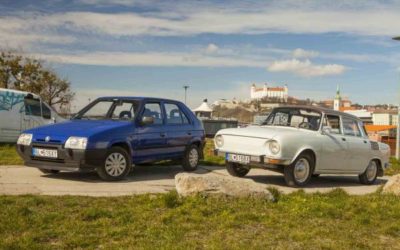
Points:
(244, 159)
(47, 153)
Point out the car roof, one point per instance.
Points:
(322, 110)
(137, 98)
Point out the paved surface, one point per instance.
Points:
(18, 180)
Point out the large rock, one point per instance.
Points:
(393, 185)
(190, 183)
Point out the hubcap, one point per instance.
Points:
(193, 157)
(301, 170)
(371, 171)
(115, 164)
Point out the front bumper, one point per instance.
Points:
(68, 159)
(261, 160)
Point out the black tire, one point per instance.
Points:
(113, 168)
(49, 171)
(236, 169)
(289, 171)
(191, 158)
(370, 175)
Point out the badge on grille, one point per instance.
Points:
(47, 139)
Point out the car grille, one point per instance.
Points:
(374, 145)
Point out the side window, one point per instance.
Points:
(153, 110)
(124, 111)
(333, 121)
(174, 114)
(350, 127)
(32, 107)
(46, 112)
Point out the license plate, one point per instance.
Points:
(47, 153)
(244, 159)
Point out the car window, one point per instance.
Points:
(98, 111)
(294, 117)
(350, 127)
(174, 114)
(124, 111)
(333, 122)
(46, 112)
(153, 110)
(32, 107)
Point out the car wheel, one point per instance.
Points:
(49, 171)
(300, 171)
(191, 158)
(370, 174)
(236, 169)
(117, 165)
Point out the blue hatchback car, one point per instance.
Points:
(113, 133)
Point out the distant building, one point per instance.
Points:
(385, 117)
(204, 110)
(280, 93)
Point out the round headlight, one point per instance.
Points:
(274, 147)
(219, 141)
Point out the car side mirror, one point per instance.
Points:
(326, 130)
(147, 120)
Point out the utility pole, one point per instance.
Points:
(186, 88)
(398, 120)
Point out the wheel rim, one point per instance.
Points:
(193, 157)
(115, 164)
(301, 170)
(371, 171)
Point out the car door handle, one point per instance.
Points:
(343, 139)
(365, 142)
(189, 133)
(163, 135)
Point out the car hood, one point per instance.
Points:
(83, 128)
(266, 132)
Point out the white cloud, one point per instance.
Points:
(212, 48)
(306, 68)
(302, 53)
(150, 59)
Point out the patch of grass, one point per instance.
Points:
(299, 220)
(8, 155)
(209, 158)
(394, 168)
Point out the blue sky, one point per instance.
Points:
(219, 48)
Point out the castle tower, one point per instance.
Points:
(337, 103)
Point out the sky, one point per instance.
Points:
(218, 48)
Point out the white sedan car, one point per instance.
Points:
(302, 142)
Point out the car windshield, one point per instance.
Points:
(294, 117)
(114, 109)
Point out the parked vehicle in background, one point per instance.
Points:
(112, 133)
(20, 111)
(301, 142)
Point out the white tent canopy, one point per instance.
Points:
(204, 108)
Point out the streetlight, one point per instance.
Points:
(186, 88)
(397, 38)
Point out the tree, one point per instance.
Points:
(28, 74)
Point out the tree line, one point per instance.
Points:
(21, 72)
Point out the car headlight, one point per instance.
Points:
(274, 147)
(25, 139)
(219, 141)
(76, 142)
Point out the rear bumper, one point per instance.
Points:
(68, 159)
(261, 160)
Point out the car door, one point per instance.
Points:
(358, 145)
(32, 115)
(334, 147)
(178, 129)
(152, 144)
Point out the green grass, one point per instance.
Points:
(394, 168)
(8, 155)
(297, 221)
